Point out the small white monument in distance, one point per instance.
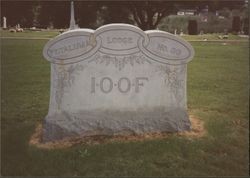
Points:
(73, 24)
(4, 23)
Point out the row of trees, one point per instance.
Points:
(92, 14)
(238, 25)
(235, 23)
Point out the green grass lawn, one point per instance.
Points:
(214, 36)
(51, 34)
(218, 81)
(30, 34)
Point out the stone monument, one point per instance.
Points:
(116, 80)
(4, 22)
(72, 24)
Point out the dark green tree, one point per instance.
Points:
(148, 14)
(192, 27)
(54, 13)
(246, 26)
(115, 12)
(87, 13)
(91, 14)
(236, 24)
(17, 12)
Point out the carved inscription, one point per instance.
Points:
(68, 48)
(119, 40)
(164, 48)
(123, 85)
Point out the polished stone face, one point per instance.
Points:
(116, 80)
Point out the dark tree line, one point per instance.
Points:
(91, 14)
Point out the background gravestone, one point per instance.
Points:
(4, 22)
(116, 80)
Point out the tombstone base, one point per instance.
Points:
(88, 123)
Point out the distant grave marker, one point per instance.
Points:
(116, 80)
(4, 22)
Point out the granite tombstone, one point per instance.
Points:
(117, 79)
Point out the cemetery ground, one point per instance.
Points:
(218, 94)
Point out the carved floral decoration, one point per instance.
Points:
(174, 79)
(120, 62)
(65, 79)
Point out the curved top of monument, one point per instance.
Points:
(118, 40)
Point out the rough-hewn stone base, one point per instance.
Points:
(87, 123)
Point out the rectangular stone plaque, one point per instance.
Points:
(117, 79)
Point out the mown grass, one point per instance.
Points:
(214, 36)
(30, 34)
(51, 34)
(218, 81)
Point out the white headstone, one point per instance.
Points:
(181, 33)
(4, 22)
(116, 80)
(175, 32)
